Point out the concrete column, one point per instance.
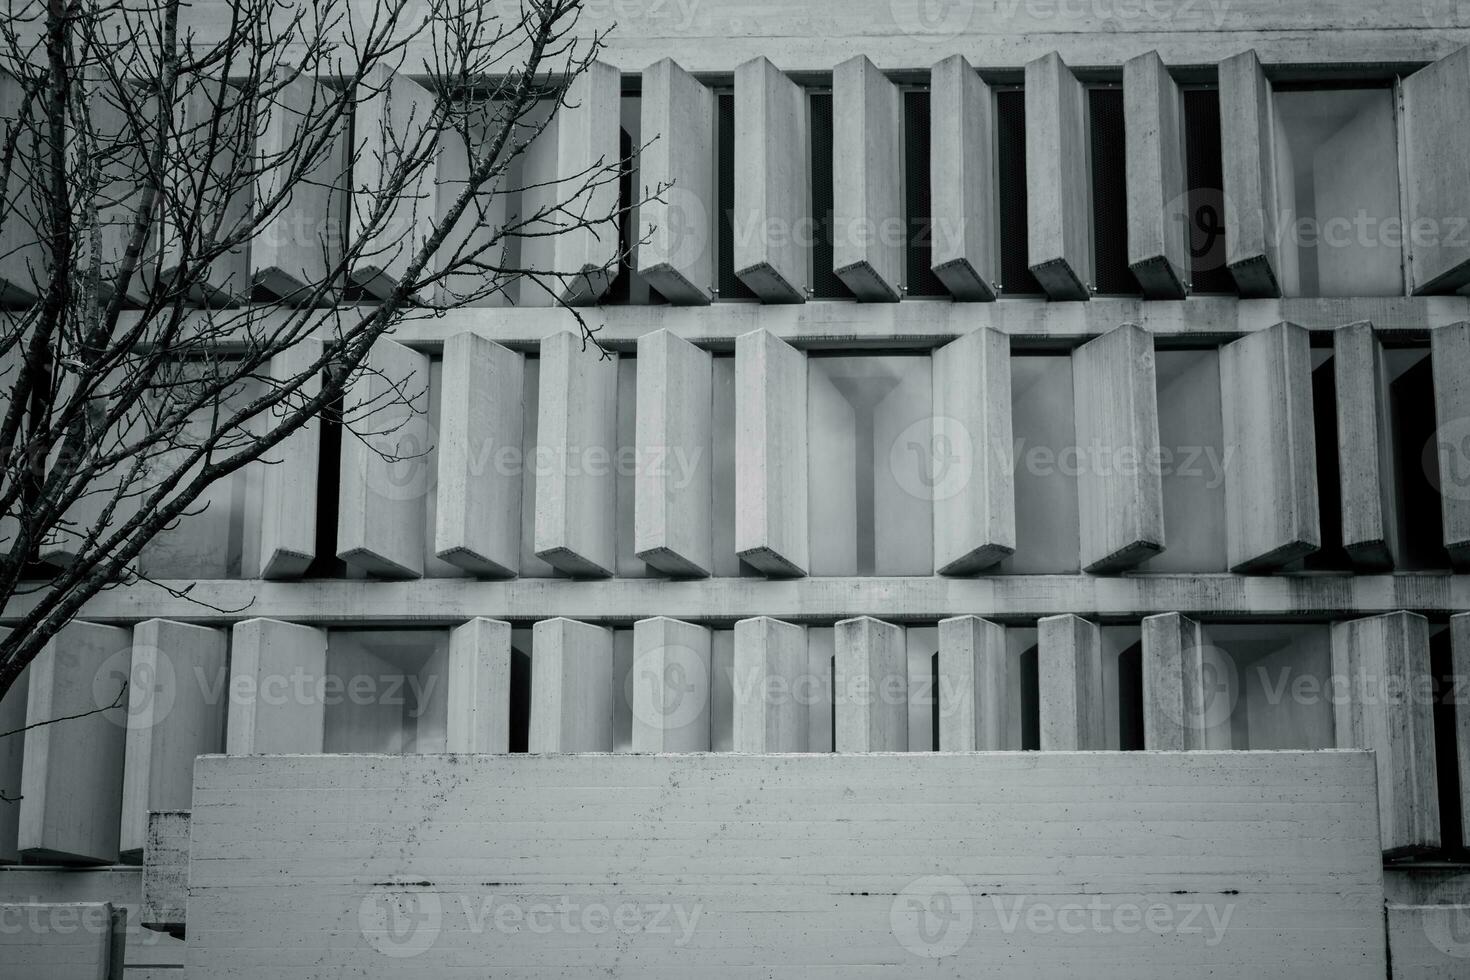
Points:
(1450, 357)
(1247, 134)
(678, 259)
(571, 687)
(1158, 203)
(1460, 667)
(671, 688)
(1364, 447)
(276, 689)
(381, 513)
(1436, 146)
(1120, 488)
(302, 240)
(962, 182)
(1186, 705)
(472, 238)
(391, 113)
(21, 254)
(477, 523)
(12, 759)
(289, 483)
(478, 687)
(867, 181)
(771, 686)
(1384, 702)
(1271, 509)
(772, 183)
(584, 138)
(72, 773)
(176, 711)
(165, 899)
(975, 494)
(673, 488)
(1070, 683)
(226, 280)
(771, 454)
(1058, 180)
(974, 686)
(870, 685)
(576, 449)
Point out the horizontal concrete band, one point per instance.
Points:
(809, 861)
(916, 324)
(1005, 598)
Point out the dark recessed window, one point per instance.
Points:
(1109, 193)
(826, 284)
(727, 282)
(1015, 273)
(1205, 177)
(918, 207)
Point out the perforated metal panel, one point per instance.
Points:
(1109, 193)
(918, 209)
(727, 282)
(1016, 277)
(1206, 199)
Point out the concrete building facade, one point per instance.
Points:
(1018, 524)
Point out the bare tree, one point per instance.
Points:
(141, 163)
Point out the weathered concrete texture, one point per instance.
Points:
(392, 114)
(670, 685)
(71, 780)
(1058, 180)
(82, 941)
(975, 500)
(1460, 661)
(816, 862)
(478, 687)
(771, 454)
(867, 181)
(1247, 138)
(1070, 684)
(1382, 666)
(12, 759)
(1427, 942)
(1119, 487)
(1184, 704)
(772, 686)
(176, 711)
(571, 687)
(1436, 144)
(772, 183)
(275, 702)
(292, 467)
(1271, 509)
(1158, 205)
(965, 251)
(974, 686)
(870, 684)
(481, 419)
(568, 166)
(576, 446)
(1364, 447)
(673, 489)
(678, 257)
(302, 240)
(166, 870)
(1450, 358)
(381, 515)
